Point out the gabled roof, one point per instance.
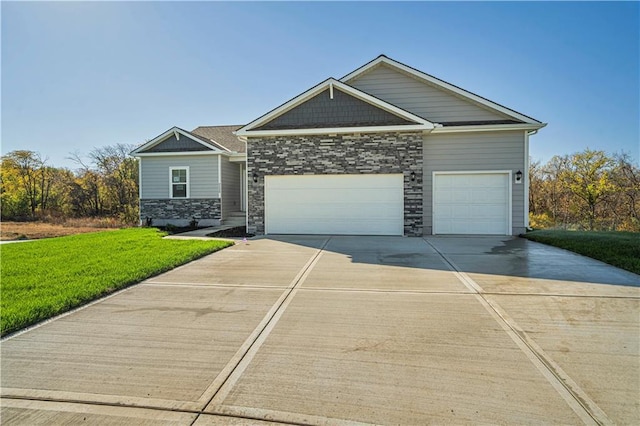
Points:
(382, 59)
(197, 141)
(201, 144)
(407, 120)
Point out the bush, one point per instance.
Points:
(541, 221)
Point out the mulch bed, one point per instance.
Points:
(238, 231)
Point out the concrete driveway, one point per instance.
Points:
(341, 330)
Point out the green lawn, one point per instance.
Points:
(43, 278)
(621, 249)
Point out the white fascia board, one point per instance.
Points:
(174, 130)
(244, 131)
(488, 128)
(340, 130)
(178, 154)
(443, 84)
(238, 158)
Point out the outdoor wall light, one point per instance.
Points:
(518, 176)
(413, 176)
(255, 178)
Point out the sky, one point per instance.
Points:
(82, 75)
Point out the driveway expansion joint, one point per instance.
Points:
(569, 390)
(231, 373)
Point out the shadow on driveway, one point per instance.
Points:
(500, 256)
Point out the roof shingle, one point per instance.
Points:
(222, 135)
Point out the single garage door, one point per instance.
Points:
(471, 203)
(335, 204)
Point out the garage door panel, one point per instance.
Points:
(471, 203)
(330, 227)
(325, 212)
(328, 212)
(335, 204)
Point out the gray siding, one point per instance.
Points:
(171, 144)
(230, 187)
(203, 175)
(470, 152)
(343, 110)
(420, 98)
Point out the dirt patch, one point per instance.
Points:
(10, 231)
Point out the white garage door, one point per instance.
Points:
(471, 203)
(335, 204)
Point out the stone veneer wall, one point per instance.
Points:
(180, 211)
(338, 154)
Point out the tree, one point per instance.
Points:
(588, 189)
(556, 194)
(625, 177)
(33, 178)
(588, 178)
(119, 172)
(107, 183)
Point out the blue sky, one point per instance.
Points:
(79, 75)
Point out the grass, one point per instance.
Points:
(44, 278)
(621, 249)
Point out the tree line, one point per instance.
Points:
(104, 185)
(588, 190)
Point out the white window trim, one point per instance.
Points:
(171, 169)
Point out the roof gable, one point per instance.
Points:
(333, 109)
(428, 96)
(173, 144)
(336, 107)
(177, 140)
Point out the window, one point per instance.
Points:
(179, 185)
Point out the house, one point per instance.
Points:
(388, 150)
(385, 150)
(197, 175)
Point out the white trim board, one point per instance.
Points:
(526, 180)
(336, 130)
(487, 128)
(174, 154)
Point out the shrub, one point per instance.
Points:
(541, 221)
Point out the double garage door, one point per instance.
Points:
(335, 204)
(463, 203)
